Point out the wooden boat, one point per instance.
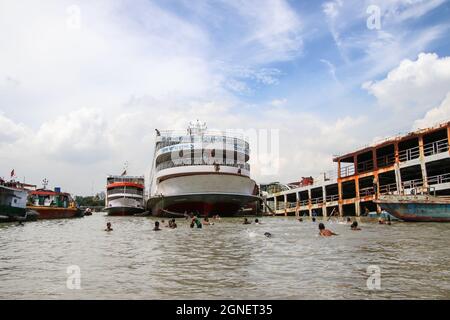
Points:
(417, 208)
(53, 204)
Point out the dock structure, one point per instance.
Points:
(404, 164)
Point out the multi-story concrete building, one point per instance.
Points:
(402, 164)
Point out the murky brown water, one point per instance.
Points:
(228, 260)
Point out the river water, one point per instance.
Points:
(227, 260)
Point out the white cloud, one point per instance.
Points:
(79, 137)
(436, 115)
(414, 86)
(10, 131)
(275, 30)
(278, 102)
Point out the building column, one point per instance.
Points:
(357, 198)
(275, 204)
(422, 162)
(324, 207)
(285, 204)
(309, 202)
(341, 212)
(374, 159)
(398, 176)
(448, 137)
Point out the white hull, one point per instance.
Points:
(208, 183)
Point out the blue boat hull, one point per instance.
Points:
(419, 212)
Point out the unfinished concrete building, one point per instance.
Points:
(402, 164)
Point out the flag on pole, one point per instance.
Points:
(12, 173)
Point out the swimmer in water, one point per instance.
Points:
(196, 222)
(300, 219)
(257, 221)
(268, 234)
(246, 221)
(173, 224)
(108, 227)
(354, 226)
(313, 219)
(206, 221)
(349, 220)
(325, 232)
(156, 228)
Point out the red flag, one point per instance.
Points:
(12, 173)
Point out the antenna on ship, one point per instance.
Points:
(125, 168)
(45, 183)
(197, 128)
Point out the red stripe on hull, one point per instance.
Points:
(49, 213)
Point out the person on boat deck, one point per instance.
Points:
(354, 226)
(325, 232)
(108, 227)
(246, 221)
(156, 228)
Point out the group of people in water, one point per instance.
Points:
(197, 223)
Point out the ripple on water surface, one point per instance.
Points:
(225, 260)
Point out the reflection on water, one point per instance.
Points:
(227, 260)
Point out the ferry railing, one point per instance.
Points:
(442, 178)
(364, 192)
(409, 154)
(347, 171)
(412, 184)
(291, 204)
(317, 200)
(388, 188)
(435, 147)
(330, 198)
(365, 165)
(125, 191)
(304, 203)
(199, 162)
(281, 206)
(386, 160)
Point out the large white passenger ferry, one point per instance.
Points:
(124, 194)
(200, 172)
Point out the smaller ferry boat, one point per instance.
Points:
(417, 208)
(13, 201)
(52, 204)
(124, 195)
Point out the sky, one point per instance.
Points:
(84, 84)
